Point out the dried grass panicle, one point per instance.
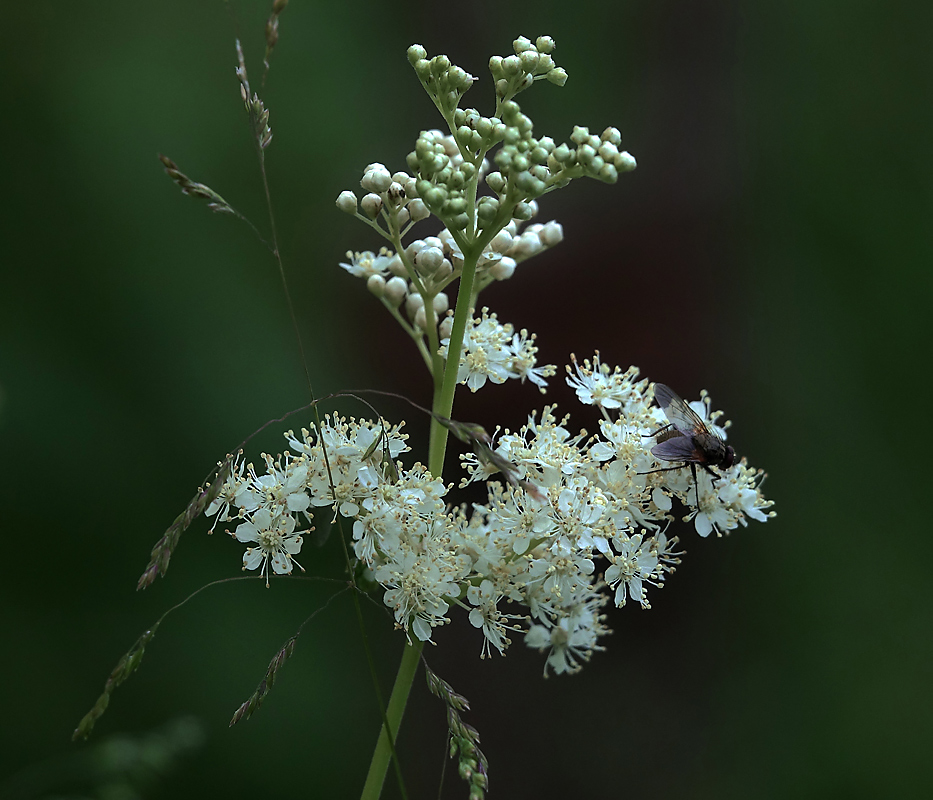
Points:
(464, 739)
(258, 113)
(194, 189)
(259, 119)
(272, 31)
(246, 710)
(469, 432)
(162, 551)
(125, 667)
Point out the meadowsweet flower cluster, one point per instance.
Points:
(584, 524)
(580, 519)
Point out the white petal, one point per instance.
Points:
(421, 629)
(281, 564)
(661, 500)
(703, 524)
(262, 519)
(246, 532)
(253, 557)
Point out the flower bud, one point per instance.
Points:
(503, 269)
(501, 242)
(428, 260)
(376, 178)
(396, 290)
(346, 201)
(558, 76)
(625, 162)
(397, 267)
(418, 210)
(446, 326)
(416, 53)
(495, 181)
(551, 233)
(371, 205)
(376, 284)
(413, 303)
(611, 135)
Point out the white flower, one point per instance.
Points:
(485, 615)
(635, 565)
(572, 639)
(234, 492)
(366, 264)
(601, 386)
(277, 541)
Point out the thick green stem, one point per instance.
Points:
(383, 752)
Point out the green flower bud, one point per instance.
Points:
(545, 64)
(562, 154)
(545, 44)
(416, 53)
(495, 67)
(487, 209)
(558, 76)
(524, 211)
(435, 197)
(521, 44)
(625, 162)
(580, 134)
(458, 223)
(496, 182)
(611, 135)
(455, 205)
(511, 66)
(529, 59)
(585, 154)
(608, 174)
(503, 159)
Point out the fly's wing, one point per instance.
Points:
(681, 416)
(678, 448)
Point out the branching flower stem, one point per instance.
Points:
(442, 405)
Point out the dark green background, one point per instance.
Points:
(773, 246)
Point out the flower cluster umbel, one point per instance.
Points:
(540, 557)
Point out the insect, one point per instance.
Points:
(693, 443)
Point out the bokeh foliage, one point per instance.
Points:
(772, 247)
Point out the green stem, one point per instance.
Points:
(383, 752)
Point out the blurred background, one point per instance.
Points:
(773, 247)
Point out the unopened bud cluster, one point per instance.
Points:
(532, 61)
(390, 196)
